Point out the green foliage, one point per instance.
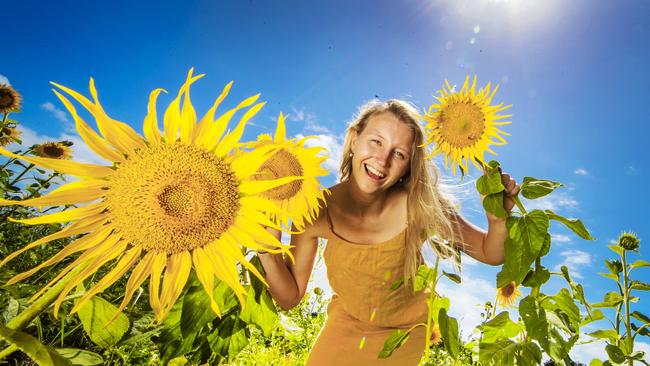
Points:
(95, 316)
(43, 355)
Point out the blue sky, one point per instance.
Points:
(573, 72)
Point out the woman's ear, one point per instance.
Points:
(353, 140)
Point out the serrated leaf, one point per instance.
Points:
(490, 183)
(611, 300)
(536, 277)
(196, 311)
(497, 353)
(528, 354)
(423, 278)
(95, 315)
(42, 354)
(532, 188)
(263, 313)
(435, 305)
(80, 357)
(500, 327)
(393, 342)
(449, 332)
(595, 316)
(493, 204)
(609, 334)
(639, 285)
(574, 225)
(639, 263)
(534, 318)
(229, 338)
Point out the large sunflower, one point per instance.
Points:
(170, 202)
(298, 198)
(461, 124)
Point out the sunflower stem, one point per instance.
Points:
(520, 206)
(21, 174)
(42, 303)
(7, 351)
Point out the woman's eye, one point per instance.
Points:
(376, 141)
(399, 155)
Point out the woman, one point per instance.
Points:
(375, 222)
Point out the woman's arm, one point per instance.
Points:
(488, 246)
(288, 281)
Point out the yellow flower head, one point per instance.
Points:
(170, 202)
(53, 150)
(9, 99)
(9, 135)
(436, 335)
(508, 294)
(298, 198)
(461, 124)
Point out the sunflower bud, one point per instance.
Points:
(628, 241)
(615, 266)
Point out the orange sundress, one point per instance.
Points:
(364, 311)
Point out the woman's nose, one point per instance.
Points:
(383, 156)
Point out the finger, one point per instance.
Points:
(505, 178)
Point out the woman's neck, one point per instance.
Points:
(361, 204)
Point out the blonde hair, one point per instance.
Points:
(431, 216)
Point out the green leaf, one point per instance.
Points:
(500, 327)
(493, 204)
(435, 305)
(528, 354)
(532, 188)
(537, 277)
(526, 236)
(611, 300)
(639, 285)
(393, 342)
(397, 284)
(546, 246)
(609, 275)
(609, 334)
(574, 225)
(424, 277)
(595, 316)
(452, 276)
(95, 315)
(641, 317)
(616, 249)
(596, 362)
(229, 338)
(196, 311)
(262, 314)
(534, 318)
(498, 353)
(643, 331)
(615, 354)
(490, 183)
(81, 357)
(639, 263)
(42, 354)
(449, 332)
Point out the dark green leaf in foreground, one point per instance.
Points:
(528, 354)
(532, 188)
(262, 314)
(43, 355)
(196, 310)
(449, 332)
(534, 318)
(230, 338)
(95, 315)
(498, 353)
(423, 278)
(393, 342)
(615, 354)
(493, 204)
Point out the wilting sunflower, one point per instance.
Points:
(628, 241)
(9, 99)
(9, 135)
(436, 335)
(508, 294)
(298, 198)
(461, 124)
(53, 150)
(170, 202)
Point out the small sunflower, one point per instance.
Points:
(53, 150)
(508, 294)
(298, 198)
(461, 124)
(169, 202)
(9, 99)
(436, 335)
(9, 135)
(628, 241)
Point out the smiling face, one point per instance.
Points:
(382, 152)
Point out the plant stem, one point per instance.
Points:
(7, 351)
(626, 301)
(432, 295)
(520, 206)
(21, 174)
(41, 186)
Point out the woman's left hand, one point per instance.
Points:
(512, 189)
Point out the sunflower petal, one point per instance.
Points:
(205, 276)
(188, 115)
(64, 166)
(96, 143)
(259, 186)
(213, 133)
(150, 125)
(178, 270)
(157, 267)
(208, 118)
(229, 141)
(139, 274)
(89, 210)
(280, 130)
(80, 191)
(247, 164)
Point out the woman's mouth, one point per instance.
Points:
(373, 173)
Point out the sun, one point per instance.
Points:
(169, 203)
(460, 125)
(300, 198)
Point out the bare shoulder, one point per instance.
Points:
(319, 227)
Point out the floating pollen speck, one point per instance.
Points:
(362, 342)
(373, 314)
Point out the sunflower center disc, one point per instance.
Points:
(173, 198)
(462, 124)
(52, 151)
(508, 290)
(282, 164)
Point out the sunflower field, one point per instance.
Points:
(151, 259)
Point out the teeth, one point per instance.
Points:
(375, 171)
